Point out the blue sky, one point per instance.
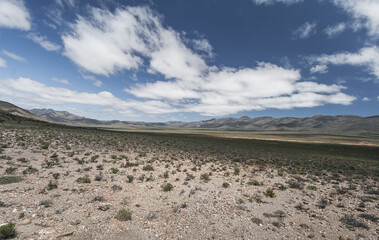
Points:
(191, 60)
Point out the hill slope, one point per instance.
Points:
(9, 108)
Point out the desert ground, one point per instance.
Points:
(62, 182)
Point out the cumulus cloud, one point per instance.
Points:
(14, 14)
(97, 44)
(44, 42)
(333, 31)
(366, 99)
(367, 57)
(365, 12)
(3, 63)
(227, 91)
(305, 30)
(33, 93)
(321, 68)
(269, 2)
(14, 56)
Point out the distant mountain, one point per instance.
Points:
(72, 119)
(9, 108)
(318, 123)
(63, 116)
(340, 123)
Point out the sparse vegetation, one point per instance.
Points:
(270, 193)
(167, 187)
(7, 231)
(124, 215)
(83, 180)
(350, 222)
(10, 179)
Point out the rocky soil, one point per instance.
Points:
(68, 184)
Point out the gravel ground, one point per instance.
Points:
(51, 204)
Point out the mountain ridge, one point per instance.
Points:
(313, 123)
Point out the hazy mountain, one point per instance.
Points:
(63, 116)
(9, 108)
(315, 123)
(318, 123)
(69, 118)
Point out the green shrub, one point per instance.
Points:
(124, 215)
(312, 187)
(83, 180)
(10, 179)
(257, 221)
(56, 175)
(167, 187)
(114, 170)
(148, 168)
(322, 203)
(23, 160)
(225, 185)
(10, 170)
(130, 178)
(205, 177)
(7, 231)
(52, 185)
(351, 222)
(270, 193)
(30, 170)
(45, 146)
(370, 217)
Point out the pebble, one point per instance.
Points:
(26, 221)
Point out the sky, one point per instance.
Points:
(177, 60)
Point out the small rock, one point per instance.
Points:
(104, 207)
(65, 234)
(47, 231)
(21, 215)
(26, 221)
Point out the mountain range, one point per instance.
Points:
(317, 123)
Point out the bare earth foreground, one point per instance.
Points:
(71, 183)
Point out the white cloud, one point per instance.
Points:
(367, 57)
(3, 63)
(319, 69)
(64, 81)
(203, 46)
(34, 94)
(333, 31)
(228, 91)
(269, 2)
(14, 14)
(97, 44)
(63, 3)
(366, 99)
(14, 56)
(365, 12)
(305, 30)
(43, 42)
(98, 83)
